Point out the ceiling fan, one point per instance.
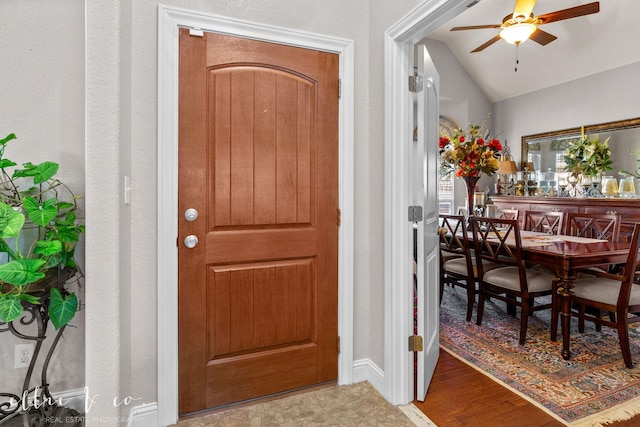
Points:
(522, 24)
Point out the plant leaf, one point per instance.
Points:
(40, 214)
(40, 173)
(69, 234)
(47, 247)
(62, 309)
(10, 308)
(7, 138)
(11, 221)
(31, 299)
(5, 163)
(21, 271)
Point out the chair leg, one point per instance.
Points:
(471, 298)
(511, 307)
(581, 318)
(441, 286)
(555, 310)
(481, 298)
(524, 320)
(623, 336)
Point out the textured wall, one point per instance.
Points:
(42, 86)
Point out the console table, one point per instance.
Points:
(629, 209)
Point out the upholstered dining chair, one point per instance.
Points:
(544, 222)
(497, 241)
(619, 294)
(593, 225)
(457, 264)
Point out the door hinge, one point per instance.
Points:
(339, 217)
(416, 343)
(196, 32)
(339, 88)
(416, 83)
(415, 214)
(338, 344)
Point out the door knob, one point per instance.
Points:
(190, 241)
(191, 214)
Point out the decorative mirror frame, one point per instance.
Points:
(590, 129)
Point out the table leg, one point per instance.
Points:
(566, 295)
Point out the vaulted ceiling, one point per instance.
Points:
(584, 46)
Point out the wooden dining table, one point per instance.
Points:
(565, 256)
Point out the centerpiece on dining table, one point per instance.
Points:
(468, 154)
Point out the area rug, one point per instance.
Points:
(591, 389)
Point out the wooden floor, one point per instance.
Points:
(459, 395)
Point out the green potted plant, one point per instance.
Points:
(39, 230)
(588, 156)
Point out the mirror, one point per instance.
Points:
(546, 150)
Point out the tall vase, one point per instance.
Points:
(470, 182)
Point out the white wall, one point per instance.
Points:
(604, 97)
(42, 87)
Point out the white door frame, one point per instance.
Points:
(399, 41)
(170, 19)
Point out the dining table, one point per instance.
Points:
(566, 256)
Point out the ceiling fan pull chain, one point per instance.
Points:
(517, 61)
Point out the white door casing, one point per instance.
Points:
(170, 19)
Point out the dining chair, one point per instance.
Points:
(544, 222)
(497, 241)
(509, 213)
(593, 225)
(619, 294)
(457, 264)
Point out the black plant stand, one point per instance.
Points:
(35, 406)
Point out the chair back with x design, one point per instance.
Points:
(544, 222)
(594, 226)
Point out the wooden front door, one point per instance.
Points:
(258, 161)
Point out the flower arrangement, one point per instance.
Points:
(588, 156)
(469, 153)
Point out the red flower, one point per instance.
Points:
(443, 142)
(495, 145)
(461, 138)
(480, 141)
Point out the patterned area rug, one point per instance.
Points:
(591, 389)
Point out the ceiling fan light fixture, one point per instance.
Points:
(517, 33)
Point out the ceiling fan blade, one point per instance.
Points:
(542, 37)
(475, 27)
(523, 8)
(486, 45)
(572, 12)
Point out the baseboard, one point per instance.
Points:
(366, 370)
(363, 370)
(144, 415)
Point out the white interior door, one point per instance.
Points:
(425, 194)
